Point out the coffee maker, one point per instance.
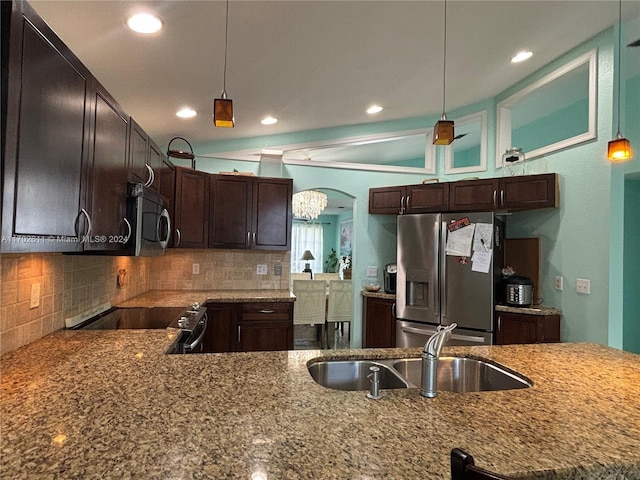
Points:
(390, 271)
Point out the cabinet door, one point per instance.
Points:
(265, 326)
(387, 200)
(272, 213)
(379, 323)
(516, 328)
(473, 195)
(45, 135)
(107, 172)
(529, 192)
(231, 211)
(191, 208)
(427, 198)
(220, 336)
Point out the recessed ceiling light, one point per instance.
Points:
(186, 113)
(521, 56)
(144, 23)
(374, 109)
(269, 120)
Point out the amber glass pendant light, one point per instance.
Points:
(223, 106)
(619, 149)
(443, 130)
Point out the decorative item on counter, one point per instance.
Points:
(508, 271)
(345, 266)
(371, 284)
(182, 154)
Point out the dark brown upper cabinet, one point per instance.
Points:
(145, 157)
(421, 198)
(46, 136)
(191, 208)
(516, 193)
(250, 212)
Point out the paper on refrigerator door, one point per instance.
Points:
(483, 238)
(459, 241)
(481, 261)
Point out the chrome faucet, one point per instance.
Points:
(430, 355)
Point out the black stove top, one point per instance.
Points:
(132, 318)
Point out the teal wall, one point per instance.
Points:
(583, 238)
(329, 232)
(467, 158)
(631, 272)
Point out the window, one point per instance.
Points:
(306, 236)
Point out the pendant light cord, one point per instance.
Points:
(619, 60)
(444, 62)
(226, 33)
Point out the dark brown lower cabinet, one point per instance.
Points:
(249, 327)
(379, 323)
(524, 328)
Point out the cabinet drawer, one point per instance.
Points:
(267, 311)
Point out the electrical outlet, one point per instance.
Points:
(261, 269)
(277, 269)
(559, 283)
(372, 271)
(583, 286)
(34, 301)
(195, 269)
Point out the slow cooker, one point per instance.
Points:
(518, 291)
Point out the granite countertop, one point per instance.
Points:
(184, 298)
(378, 294)
(537, 310)
(110, 404)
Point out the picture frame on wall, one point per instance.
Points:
(346, 235)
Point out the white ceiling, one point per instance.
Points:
(315, 64)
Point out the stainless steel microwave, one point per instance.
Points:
(149, 220)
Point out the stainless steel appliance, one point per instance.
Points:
(149, 221)
(518, 291)
(191, 323)
(390, 273)
(435, 288)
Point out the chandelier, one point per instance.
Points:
(309, 204)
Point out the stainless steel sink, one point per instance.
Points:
(463, 374)
(455, 374)
(352, 374)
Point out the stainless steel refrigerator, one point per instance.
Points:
(439, 284)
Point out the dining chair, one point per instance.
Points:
(340, 304)
(327, 277)
(310, 305)
(463, 468)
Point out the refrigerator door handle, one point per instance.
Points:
(435, 280)
(426, 332)
(443, 269)
(468, 338)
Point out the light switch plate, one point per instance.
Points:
(195, 269)
(583, 286)
(261, 269)
(372, 271)
(277, 269)
(559, 283)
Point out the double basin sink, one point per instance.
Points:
(454, 374)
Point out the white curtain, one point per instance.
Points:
(306, 236)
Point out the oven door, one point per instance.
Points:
(190, 339)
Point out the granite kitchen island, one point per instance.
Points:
(111, 404)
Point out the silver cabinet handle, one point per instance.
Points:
(254, 239)
(178, 236)
(152, 176)
(407, 202)
(84, 212)
(164, 214)
(502, 197)
(249, 239)
(393, 309)
(239, 335)
(401, 205)
(126, 238)
(495, 199)
(499, 322)
(267, 311)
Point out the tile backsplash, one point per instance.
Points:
(219, 270)
(70, 284)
